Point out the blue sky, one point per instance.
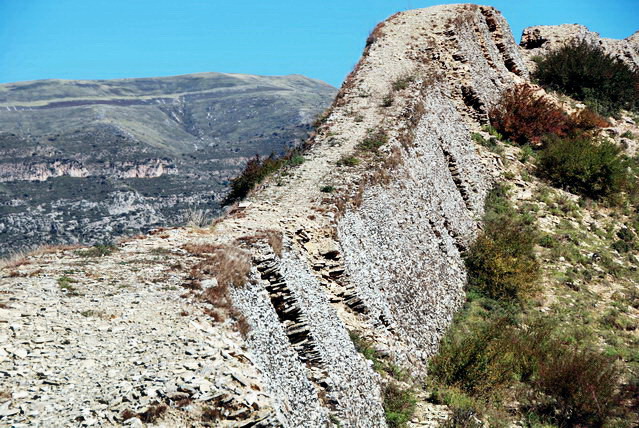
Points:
(102, 39)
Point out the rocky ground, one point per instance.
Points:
(91, 341)
(107, 336)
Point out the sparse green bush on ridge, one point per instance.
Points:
(585, 72)
(256, 170)
(501, 263)
(583, 165)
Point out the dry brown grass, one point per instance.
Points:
(152, 414)
(270, 236)
(14, 261)
(230, 267)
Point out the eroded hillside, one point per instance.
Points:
(87, 161)
(327, 290)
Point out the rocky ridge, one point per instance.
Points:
(541, 39)
(379, 256)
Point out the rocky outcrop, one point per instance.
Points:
(382, 255)
(361, 238)
(43, 170)
(541, 39)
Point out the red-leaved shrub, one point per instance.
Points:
(525, 117)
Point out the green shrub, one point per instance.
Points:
(468, 359)
(501, 263)
(526, 153)
(491, 144)
(399, 405)
(585, 72)
(256, 170)
(327, 189)
(373, 141)
(583, 165)
(98, 250)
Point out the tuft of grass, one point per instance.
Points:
(99, 250)
(348, 161)
(403, 82)
(387, 101)
(399, 404)
(64, 283)
(373, 141)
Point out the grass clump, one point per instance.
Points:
(585, 72)
(399, 405)
(348, 161)
(373, 141)
(501, 262)
(387, 101)
(99, 250)
(403, 82)
(491, 143)
(399, 400)
(65, 284)
(582, 165)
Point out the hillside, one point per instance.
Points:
(335, 293)
(87, 161)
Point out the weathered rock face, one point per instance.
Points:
(380, 255)
(541, 39)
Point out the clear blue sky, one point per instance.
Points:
(102, 39)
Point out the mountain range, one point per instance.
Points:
(84, 161)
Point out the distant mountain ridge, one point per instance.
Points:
(84, 161)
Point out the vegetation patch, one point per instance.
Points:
(582, 165)
(373, 141)
(65, 284)
(399, 404)
(256, 171)
(403, 82)
(524, 116)
(501, 262)
(99, 250)
(348, 161)
(585, 72)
